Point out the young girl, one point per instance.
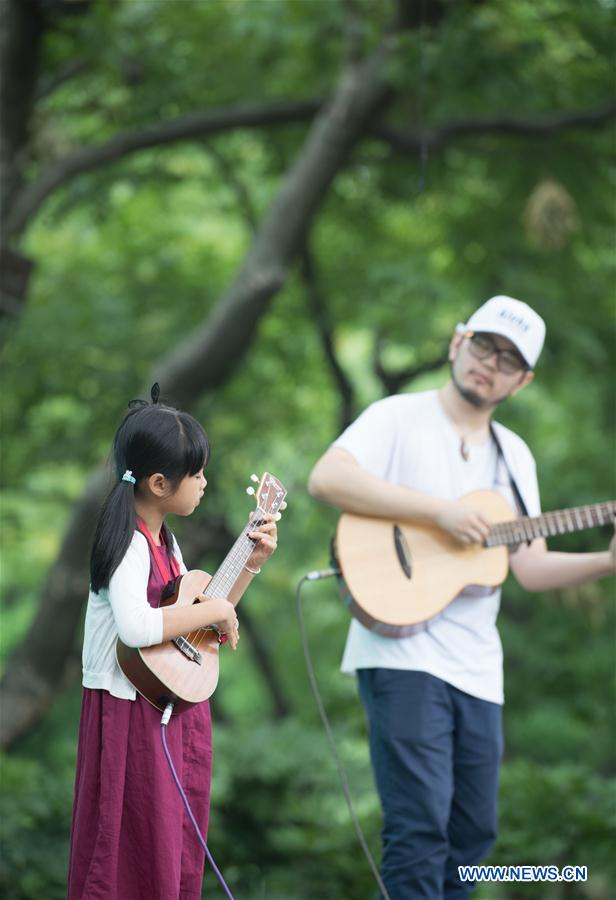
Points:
(131, 838)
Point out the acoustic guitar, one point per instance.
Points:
(398, 576)
(185, 670)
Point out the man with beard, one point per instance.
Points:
(433, 700)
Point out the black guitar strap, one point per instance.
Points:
(514, 487)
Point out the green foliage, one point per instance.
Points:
(564, 814)
(35, 806)
(132, 257)
(34, 823)
(277, 792)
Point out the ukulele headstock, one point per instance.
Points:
(270, 493)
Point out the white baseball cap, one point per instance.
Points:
(512, 319)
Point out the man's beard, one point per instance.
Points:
(472, 396)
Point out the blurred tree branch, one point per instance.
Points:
(320, 318)
(393, 380)
(26, 202)
(353, 28)
(70, 70)
(244, 200)
(406, 141)
(205, 360)
(195, 125)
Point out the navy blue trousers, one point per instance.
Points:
(436, 754)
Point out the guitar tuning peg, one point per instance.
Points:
(283, 505)
(250, 491)
(254, 478)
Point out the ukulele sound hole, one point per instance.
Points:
(402, 550)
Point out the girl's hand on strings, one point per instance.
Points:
(222, 614)
(265, 537)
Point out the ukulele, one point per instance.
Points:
(184, 670)
(400, 575)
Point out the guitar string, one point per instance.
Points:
(551, 523)
(193, 637)
(560, 522)
(234, 562)
(524, 528)
(227, 574)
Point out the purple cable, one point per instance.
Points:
(210, 858)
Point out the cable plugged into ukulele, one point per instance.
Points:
(317, 574)
(167, 714)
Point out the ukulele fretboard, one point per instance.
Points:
(233, 563)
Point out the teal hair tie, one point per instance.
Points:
(128, 476)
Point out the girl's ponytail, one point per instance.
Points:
(114, 532)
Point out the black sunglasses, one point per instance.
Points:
(483, 345)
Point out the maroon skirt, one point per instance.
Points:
(131, 838)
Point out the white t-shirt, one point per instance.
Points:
(408, 440)
(121, 609)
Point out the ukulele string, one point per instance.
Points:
(235, 561)
(195, 635)
(225, 585)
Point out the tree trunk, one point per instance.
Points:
(21, 27)
(206, 359)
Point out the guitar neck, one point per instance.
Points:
(562, 521)
(231, 567)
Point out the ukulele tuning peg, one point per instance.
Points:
(282, 506)
(254, 478)
(250, 491)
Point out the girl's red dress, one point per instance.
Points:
(131, 838)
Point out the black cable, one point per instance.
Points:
(330, 735)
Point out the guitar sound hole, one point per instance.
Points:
(402, 550)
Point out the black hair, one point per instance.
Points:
(151, 438)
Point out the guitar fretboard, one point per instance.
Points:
(561, 521)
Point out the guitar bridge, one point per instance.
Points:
(187, 649)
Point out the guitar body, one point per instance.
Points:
(163, 672)
(401, 575)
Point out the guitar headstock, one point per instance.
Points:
(270, 493)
